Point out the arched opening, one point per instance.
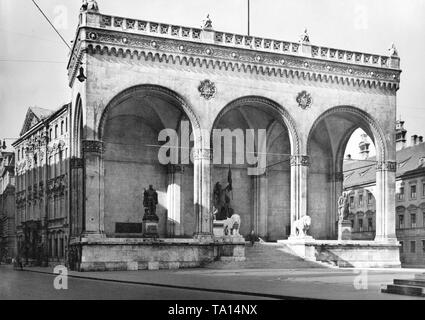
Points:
(261, 197)
(130, 129)
(77, 219)
(330, 173)
(360, 182)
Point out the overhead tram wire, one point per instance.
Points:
(51, 24)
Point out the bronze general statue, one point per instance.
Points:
(222, 202)
(150, 219)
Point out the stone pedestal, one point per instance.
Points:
(344, 230)
(218, 228)
(150, 226)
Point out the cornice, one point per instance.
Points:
(186, 52)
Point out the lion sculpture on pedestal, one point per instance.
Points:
(231, 225)
(302, 225)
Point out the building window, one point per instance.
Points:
(401, 246)
(401, 194)
(413, 220)
(369, 198)
(66, 124)
(360, 200)
(369, 224)
(19, 154)
(50, 134)
(56, 131)
(413, 192)
(423, 189)
(351, 201)
(423, 246)
(360, 225)
(423, 219)
(62, 123)
(352, 224)
(412, 246)
(400, 221)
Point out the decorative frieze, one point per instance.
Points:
(386, 166)
(174, 168)
(300, 160)
(202, 154)
(93, 146)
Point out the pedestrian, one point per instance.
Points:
(252, 238)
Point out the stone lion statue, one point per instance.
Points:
(302, 225)
(232, 225)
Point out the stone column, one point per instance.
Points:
(299, 170)
(385, 201)
(175, 218)
(336, 180)
(94, 188)
(259, 195)
(76, 195)
(202, 194)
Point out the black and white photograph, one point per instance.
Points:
(213, 156)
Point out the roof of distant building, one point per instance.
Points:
(360, 172)
(35, 115)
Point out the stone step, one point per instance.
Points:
(408, 282)
(404, 290)
(265, 256)
(420, 276)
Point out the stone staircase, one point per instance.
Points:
(266, 255)
(408, 287)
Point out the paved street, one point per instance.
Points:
(283, 283)
(34, 285)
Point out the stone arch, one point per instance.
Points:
(372, 129)
(326, 148)
(287, 119)
(160, 90)
(78, 127)
(129, 128)
(262, 199)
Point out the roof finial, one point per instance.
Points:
(207, 23)
(305, 37)
(90, 5)
(393, 50)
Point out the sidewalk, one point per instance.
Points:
(273, 283)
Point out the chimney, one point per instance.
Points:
(400, 135)
(413, 140)
(364, 147)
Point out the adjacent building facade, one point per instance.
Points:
(7, 203)
(42, 167)
(410, 197)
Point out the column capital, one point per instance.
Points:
(300, 160)
(175, 168)
(390, 166)
(93, 146)
(202, 154)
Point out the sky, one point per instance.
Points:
(33, 58)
